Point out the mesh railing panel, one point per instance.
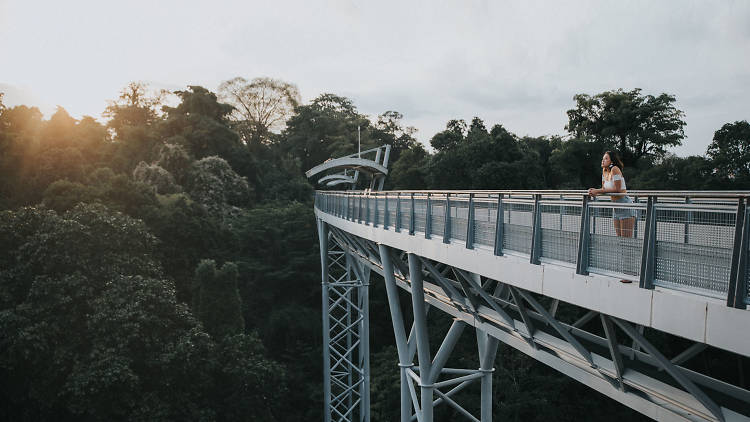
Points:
(485, 218)
(459, 218)
(405, 213)
(517, 226)
(437, 217)
(377, 211)
(694, 249)
(613, 253)
(355, 208)
(420, 214)
(561, 225)
(392, 203)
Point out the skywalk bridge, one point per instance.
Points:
(502, 262)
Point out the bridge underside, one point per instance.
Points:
(605, 352)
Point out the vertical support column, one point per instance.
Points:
(648, 257)
(423, 341)
(323, 240)
(487, 347)
(499, 226)
(737, 292)
(582, 261)
(470, 224)
(364, 347)
(536, 236)
(428, 218)
(447, 217)
(397, 319)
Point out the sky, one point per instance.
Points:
(515, 63)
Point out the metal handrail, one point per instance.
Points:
(670, 233)
(718, 194)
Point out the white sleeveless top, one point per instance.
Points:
(609, 184)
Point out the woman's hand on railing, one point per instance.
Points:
(594, 191)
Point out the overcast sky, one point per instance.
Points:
(514, 63)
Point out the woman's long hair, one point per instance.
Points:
(615, 158)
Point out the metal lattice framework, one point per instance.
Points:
(345, 303)
(697, 248)
(345, 332)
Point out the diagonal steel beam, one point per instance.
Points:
(447, 287)
(446, 348)
(668, 367)
(556, 325)
(614, 350)
(524, 316)
(488, 299)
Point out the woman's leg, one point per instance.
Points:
(623, 228)
(618, 226)
(626, 227)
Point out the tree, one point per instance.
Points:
(134, 107)
(200, 125)
(451, 137)
(409, 170)
(216, 300)
(729, 152)
(212, 183)
(261, 106)
(575, 163)
(59, 130)
(389, 130)
(636, 125)
(325, 128)
(156, 176)
(678, 173)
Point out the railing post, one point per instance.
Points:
(737, 292)
(428, 219)
(386, 214)
(375, 212)
(637, 217)
(447, 217)
(411, 217)
(499, 226)
(397, 226)
(367, 208)
(470, 224)
(348, 207)
(582, 261)
(648, 257)
(688, 222)
(536, 234)
(359, 210)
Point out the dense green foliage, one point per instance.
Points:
(164, 266)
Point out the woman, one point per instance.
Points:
(613, 183)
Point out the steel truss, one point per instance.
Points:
(608, 354)
(346, 347)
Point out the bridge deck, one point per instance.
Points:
(693, 249)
